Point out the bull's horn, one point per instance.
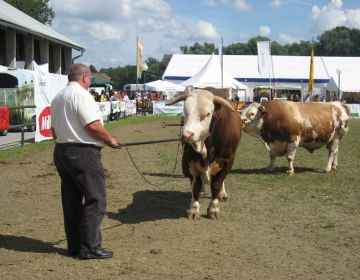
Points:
(177, 99)
(224, 102)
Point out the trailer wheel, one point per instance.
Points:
(3, 132)
(30, 128)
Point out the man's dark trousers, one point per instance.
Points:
(82, 179)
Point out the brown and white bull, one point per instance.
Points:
(211, 132)
(283, 126)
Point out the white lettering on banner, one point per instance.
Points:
(46, 122)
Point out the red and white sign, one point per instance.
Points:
(43, 124)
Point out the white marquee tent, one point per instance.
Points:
(210, 76)
(160, 85)
(288, 72)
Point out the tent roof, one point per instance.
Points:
(14, 18)
(286, 69)
(210, 76)
(350, 76)
(160, 85)
(96, 81)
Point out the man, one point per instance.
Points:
(79, 134)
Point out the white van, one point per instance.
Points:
(130, 89)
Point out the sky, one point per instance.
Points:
(108, 29)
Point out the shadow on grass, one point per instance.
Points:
(153, 206)
(277, 171)
(25, 244)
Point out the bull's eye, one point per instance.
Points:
(204, 117)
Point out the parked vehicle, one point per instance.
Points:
(17, 89)
(130, 89)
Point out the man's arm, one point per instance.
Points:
(53, 134)
(98, 131)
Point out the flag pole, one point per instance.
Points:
(270, 97)
(222, 63)
(311, 78)
(137, 62)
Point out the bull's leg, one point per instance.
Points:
(333, 148)
(291, 151)
(213, 210)
(223, 194)
(271, 166)
(194, 211)
(202, 192)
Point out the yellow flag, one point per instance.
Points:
(311, 79)
(139, 56)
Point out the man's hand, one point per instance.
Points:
(112, 144)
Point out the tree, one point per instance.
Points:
(92, 69)
(236, 49)
(207, 48)
(302, 49)
(336, 42)
(37, 9)
(157, 68)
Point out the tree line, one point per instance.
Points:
(340, 41)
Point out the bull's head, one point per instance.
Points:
(252, 117)
(199, 109)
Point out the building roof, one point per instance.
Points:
(14, 18)
(101, 75)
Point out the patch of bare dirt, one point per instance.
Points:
(147, 228)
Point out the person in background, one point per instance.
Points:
(144, 103)
(296, 99)
(122, 96)
(237, 99)
(79, 135)
(157, 96)
(307, 98)
(126, 97)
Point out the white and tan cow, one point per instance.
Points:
(211, 132)
(283, 126)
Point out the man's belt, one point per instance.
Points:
(82, 145)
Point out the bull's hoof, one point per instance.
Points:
(213, 215)
(327, 170)
(268, 171)
(290, 173)
(222, 198)
(201, 194)
(193, 214)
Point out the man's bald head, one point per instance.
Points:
(77, 71)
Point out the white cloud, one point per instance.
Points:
(287, 39)
(151, 24)
(104, 31)
(278, 3)
(332, 15)
(213, 3)
(151, 8)
(241, 5)
(244, 36)
(90, 9)
(204, 31)
(264, 31)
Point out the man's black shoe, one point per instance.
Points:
(99, 254)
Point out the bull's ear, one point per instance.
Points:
(264, 112)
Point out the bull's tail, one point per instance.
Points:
(343, 128)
